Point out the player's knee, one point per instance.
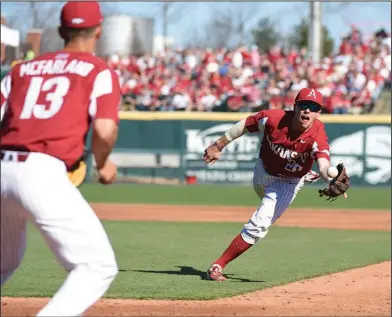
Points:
(113, 270)
(109, 269)
(106, 269)
(105, 262)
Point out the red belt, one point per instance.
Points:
(14, 157)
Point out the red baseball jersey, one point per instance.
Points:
(285, 154)
(48, 103)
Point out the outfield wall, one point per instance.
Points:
(171, 145)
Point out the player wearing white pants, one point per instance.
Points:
(48, 105)
(291, 142)
(39, 190)
(276, 194)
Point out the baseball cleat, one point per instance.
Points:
(215, 273)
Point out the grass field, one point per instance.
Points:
(358, 198)
(164, 260)
(170, 261)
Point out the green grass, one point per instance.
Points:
(168, 260)
(359, 198)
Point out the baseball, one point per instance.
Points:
(332, 172)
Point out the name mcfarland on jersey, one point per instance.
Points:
(56, 67)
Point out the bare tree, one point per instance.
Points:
(227, 26)
(45, 16)
(37, 15)
(265, 34)
(34, 15)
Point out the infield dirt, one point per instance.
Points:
(358, 292)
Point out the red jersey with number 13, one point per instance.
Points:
(48, 103)
(282, 152)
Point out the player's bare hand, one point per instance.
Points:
(212, 154)
(108, 173)
(312, 177)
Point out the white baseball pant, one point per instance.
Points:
(276, 194)
(39, 190)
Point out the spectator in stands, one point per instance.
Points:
(29, 55)
(339, 102)
(181, 100)
(250, 80)
(205, 99)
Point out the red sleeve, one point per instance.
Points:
(5, 92)
(320, 146)
(106, 95)
(253, 122)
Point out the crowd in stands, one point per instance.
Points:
(249, 80)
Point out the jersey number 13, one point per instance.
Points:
(54, 100)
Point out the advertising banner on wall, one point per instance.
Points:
(365, 148)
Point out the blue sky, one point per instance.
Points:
(184, 16)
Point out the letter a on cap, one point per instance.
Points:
(312, 94)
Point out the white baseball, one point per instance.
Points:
(332, 172)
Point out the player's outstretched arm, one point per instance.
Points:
(323, 166)
(213, 152)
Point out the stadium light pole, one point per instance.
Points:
(34, 14)
(166, 5)
(315, 31)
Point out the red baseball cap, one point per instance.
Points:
(310, 94)
(80, 15)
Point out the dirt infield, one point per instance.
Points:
(304, 218)
(359, 292)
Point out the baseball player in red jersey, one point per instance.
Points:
(291, 142)
(47, 106)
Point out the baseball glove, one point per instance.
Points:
(77, 173)
(338, 186)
